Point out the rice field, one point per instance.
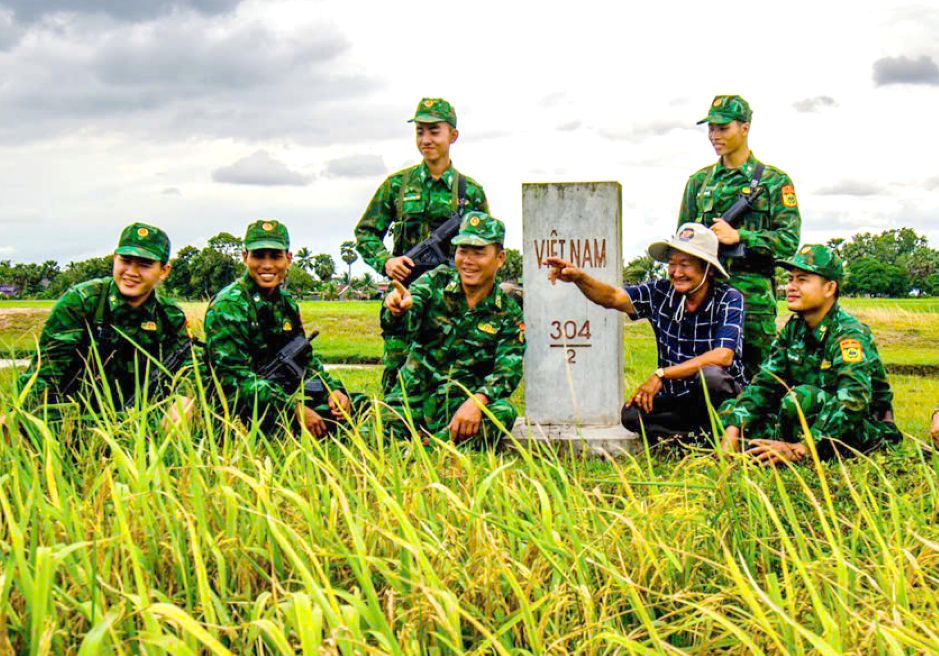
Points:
(120, 537)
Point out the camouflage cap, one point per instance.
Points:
(725, 109)
(815, 258)
(434, 110)
(267, 233)
(144, 240)
(479, 229)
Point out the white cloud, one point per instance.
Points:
(905, 70)
(260, 168)
(355, 166)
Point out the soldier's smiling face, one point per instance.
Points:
(478, 264)
(267, 267)
(728, 138)
(434, 139)
(807, 291)
(137, 276)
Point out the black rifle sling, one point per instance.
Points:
(757, 176)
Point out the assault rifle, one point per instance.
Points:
(288, 368)
(741, 206)
(435, 250)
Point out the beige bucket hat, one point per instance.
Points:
(693, 239)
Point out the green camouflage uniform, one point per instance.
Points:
(833, 373)
(65, 354)
(244, 331)
(451, 345)
(770, 231)
(97, 308)
(411, 204)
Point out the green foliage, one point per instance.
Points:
(901, 249)
(642, 268)
(325, 266)
(80, 271)
(869, 276)
(512, 269)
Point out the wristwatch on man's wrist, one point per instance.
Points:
(660, 372)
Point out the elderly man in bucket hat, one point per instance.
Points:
(698, 325)
(823, 370)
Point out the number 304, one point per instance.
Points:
(569, 330)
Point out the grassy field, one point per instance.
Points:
(118, 537)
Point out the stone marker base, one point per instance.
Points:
(602, 441)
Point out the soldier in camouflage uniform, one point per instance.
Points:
(769, 231)
(467, 337)
(411, 204)
(824, 362)
(119, 323)
(248, 322)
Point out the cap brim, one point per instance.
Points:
(138, 252)
(717, 120)
(428, 118)
(471, 240)
(266, 243)
(659, 251)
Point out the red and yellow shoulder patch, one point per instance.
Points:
(851, 351)
(521, 332)
(789, 196)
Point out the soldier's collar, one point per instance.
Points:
(746, 168)
(824, 326)
(447, 176)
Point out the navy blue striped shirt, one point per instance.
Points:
(680, 336)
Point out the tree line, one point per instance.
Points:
(198, 273)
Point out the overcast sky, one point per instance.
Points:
(202, 115)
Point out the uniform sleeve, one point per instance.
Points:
(510, 352)
(730, 333)
(840, 417)
(764, 393)
(62, 344)
(689, 208)
(781, 239)
(373, 226)
(229, 349)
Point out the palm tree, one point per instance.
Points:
(304, 259)
(348, 254)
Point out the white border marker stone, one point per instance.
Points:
(574, 358)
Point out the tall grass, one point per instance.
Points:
(118, 537)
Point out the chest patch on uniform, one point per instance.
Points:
(826, 364)
(411, 197)
(851, 350)
(149, 325)
(288, 326)
(487, 328)
(789, 196)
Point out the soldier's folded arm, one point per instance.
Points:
(763, 394)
